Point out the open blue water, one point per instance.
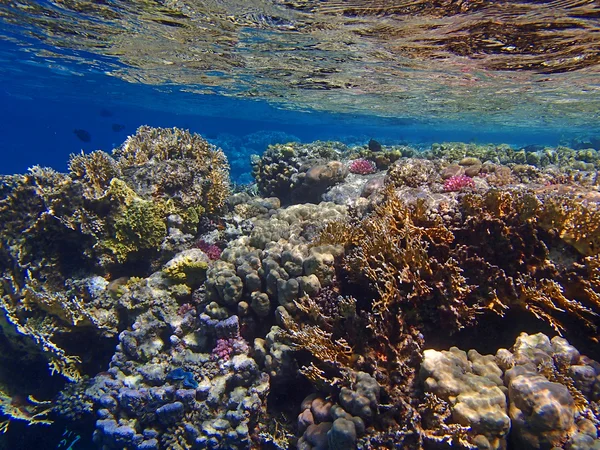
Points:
(42, 103)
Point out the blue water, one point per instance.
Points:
(43, 103)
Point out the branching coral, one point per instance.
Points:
(493, 259)
(525, 277)
(175, 164)
(41, 336)
(575, 221)
(320, 343)
(391, 250)
(95, 169)
(27, 409)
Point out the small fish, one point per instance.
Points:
(374, 146)
(83, 135)
(116, 127)
(106, 113)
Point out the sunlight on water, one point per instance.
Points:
(514, 62)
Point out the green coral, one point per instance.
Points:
(188, 267)
(138, 224)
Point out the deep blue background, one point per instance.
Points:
(43, 101)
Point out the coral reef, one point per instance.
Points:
(188, 317)
(296, 172)
(532, 396)
(65, 236)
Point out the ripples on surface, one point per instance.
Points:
(511, 62)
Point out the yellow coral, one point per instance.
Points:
(187, 270)
(138, 224)
(574, 221)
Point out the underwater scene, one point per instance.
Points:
(299, 224)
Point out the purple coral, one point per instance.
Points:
(458, 183)
(362, 167)
(212, 251)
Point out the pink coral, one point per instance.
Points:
(212, 251)
(362, 167)
(458, 183)
(225, 348)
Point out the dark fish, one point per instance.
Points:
(106, 113)
(83, 135)
(374, 146)
(116, 127)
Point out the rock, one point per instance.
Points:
(260, 304)
(472, 384)
(473, 170)
(170, 413)
(362, 401)
(372, 186)
(321, 410)
(305, 419)
(469, 161)
(542, 412)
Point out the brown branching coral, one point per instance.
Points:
(575, 221)
(524, 226)
(494, 259)
(391, 249)
(543, 297)
(95, 169)
(319, 343)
